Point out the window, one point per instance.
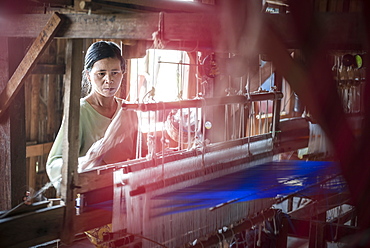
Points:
(162, 75)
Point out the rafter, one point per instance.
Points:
(26, 65)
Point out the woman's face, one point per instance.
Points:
(106, 76)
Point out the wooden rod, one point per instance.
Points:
(197, 103)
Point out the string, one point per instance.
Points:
(249, 111)
(163, 142)
(203, 110)
(189, 129)
(260, 102)
(226, 118)
(139, 137)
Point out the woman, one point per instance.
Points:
(107, 133)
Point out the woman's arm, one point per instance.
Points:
(118, 143)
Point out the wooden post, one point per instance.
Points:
(5, 186)
(277, 104)
(317, 235)
(290, 204)
(35, 84)
(12, 130)
(72, 81)
(282, 239)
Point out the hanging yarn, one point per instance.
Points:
(267, 180)
(318, 142)
(144, 212)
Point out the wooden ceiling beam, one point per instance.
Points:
(139, 26)
(342, 30)
(151, 6)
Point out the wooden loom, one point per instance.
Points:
(137, 183)
(204, 163)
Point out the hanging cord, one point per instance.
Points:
(241, 110)
(204, 142)
(249, 105)
(260, 102)
(139, 137)
(164, 144)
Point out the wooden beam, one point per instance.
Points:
(33, 132)
(94, 179)
(113, 26)
(32, 228)
(38, 149)
(149, 5)
(74, 66)
(49, 69)
(301, 228)
(196, 27)
(5, 165)
(317, 230)
(344, 217)
(92, 219)
(342, 30)
(319, 207)
(24, 208)
(57, 3)
(26, 65)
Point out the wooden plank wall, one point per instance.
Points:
(338, 5)
(44, 111)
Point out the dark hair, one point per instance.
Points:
(98, 51)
